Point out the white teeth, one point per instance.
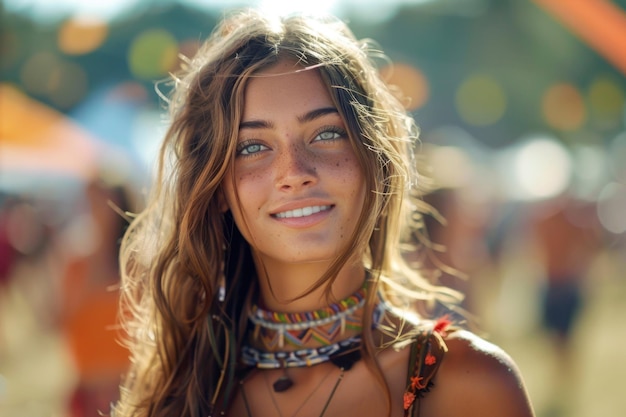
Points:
(301, 212)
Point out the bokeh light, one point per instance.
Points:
(451, 166)
(612, 206)
(606, 102)
(563, 107)
(411, 82)
(69, 85)
(590, 172)
(46, 74)
(543, 168)
(152, 54)
(481, 100)
(81, 34)
(37, 73)
(617, 157)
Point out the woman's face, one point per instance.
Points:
(299, 182)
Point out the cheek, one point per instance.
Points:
(356, 181)
(252, 188)
(349, 173)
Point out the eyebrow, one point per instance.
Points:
(307, 117)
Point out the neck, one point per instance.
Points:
(282, 285)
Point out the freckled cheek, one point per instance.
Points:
(346, 170)
(252, 187)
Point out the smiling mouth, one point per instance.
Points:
(301, 212)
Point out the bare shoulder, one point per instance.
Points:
(476, 378)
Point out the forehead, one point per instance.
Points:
(283, 87)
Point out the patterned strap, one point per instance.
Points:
(425, 357)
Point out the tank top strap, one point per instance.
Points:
(427, 352)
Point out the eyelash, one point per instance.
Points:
(241, 147)
(330, 129)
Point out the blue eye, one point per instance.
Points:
(250, 148)
(330, 134)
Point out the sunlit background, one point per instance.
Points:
(521, 105)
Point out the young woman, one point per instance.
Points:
(265, 277)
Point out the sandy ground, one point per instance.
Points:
(36, 371)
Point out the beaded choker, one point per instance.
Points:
(298, 329)
(308, 356)
(311, 318)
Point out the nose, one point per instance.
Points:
(295, 168)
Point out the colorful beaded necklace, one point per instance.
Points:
(298, 329)
(320, 326)
(252, 356)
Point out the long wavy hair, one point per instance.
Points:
(184, 334)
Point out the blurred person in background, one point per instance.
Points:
(27, 244)
(266, 276)
(567, 243)
(90, 297)
(8, 252)
(567, 237)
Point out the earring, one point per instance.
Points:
(221, 285)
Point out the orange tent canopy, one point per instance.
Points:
(35, 138)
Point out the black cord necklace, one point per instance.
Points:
(324, 409)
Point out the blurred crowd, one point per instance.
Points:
(62, 272)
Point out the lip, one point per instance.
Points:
(300, 204)
(303, 213)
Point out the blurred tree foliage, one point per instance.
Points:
(514, 42)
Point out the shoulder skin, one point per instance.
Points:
(476, 378)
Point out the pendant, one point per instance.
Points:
(282, 384)
(346, 361)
